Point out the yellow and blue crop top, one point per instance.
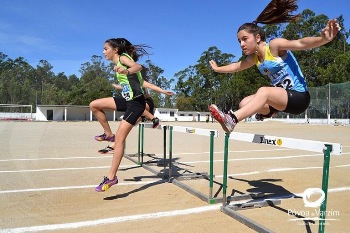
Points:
(283, 71)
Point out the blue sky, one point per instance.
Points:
(67, 33)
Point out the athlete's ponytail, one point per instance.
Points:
(277, 11)
(124, 46)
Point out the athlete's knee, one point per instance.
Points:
(244, 101)
(93, 106)
(262, 92)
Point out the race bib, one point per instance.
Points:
(126, 92)
(286, 83)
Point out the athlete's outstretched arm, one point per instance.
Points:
(156, 88)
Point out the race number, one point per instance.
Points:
(287, 83)
(126, 92)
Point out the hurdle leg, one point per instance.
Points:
(139, 145)
(170, 152)
(224, 182)
(326, 160)
(164, 150)
(211, 170)
(142, 142)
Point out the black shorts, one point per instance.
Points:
(298, 102)
(120, 103)
(150, 103)
(134, 110)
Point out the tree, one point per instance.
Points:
(154, 76)
(94, 83)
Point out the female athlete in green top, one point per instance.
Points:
(124, 55)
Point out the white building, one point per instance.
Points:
(83, 113)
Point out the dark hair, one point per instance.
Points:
(277, 11)
(144, 73)
(124, 46)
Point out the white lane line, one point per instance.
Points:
(75, 225)
(255, 158)
(148, 182)
(56, 158)
(109, 156)
(259, 158)
(66, 169)
(194, 162)
(75, 187)
(232, 151)
(281, 170)
(92, 223)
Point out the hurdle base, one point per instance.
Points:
(253, 204)
(149, 168)
(196, 193)
(245, 196)
(244, 220)
(157, 163)
(193, 176)
(144, 154)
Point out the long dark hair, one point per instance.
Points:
(277, 11)
(124, 46)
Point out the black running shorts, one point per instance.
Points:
(134, 110)
(120, 103)
(150, 103)
(298, 102)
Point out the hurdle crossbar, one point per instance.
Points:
(291, 143)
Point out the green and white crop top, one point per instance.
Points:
(131, 84)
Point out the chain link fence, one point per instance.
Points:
(331, 101)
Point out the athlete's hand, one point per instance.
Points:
(213, 65)
(168, 93)
(120, 70)
(117, 87)
(331, 30)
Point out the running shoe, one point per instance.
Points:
(103, 137)
(106, 184)
(155, 122)
(225, 120)
(259, 117)
(106, 150)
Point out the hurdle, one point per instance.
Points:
(210, 177)
(140, 151)
(308, 145)
(178, 179)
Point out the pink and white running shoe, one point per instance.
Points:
(226, 121)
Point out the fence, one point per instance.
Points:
(331, 101)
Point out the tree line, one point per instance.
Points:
(195, 87)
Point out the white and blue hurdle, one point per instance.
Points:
(291, 143)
